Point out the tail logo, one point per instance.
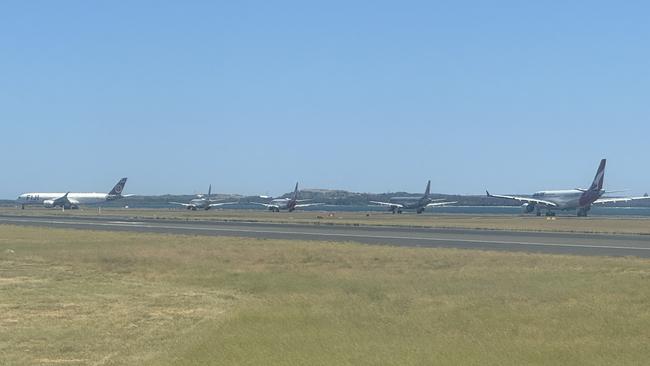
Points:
(599, 178)
(117, 190)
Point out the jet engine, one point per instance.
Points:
(48, 203)
(527, 208)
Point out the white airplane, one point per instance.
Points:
(578, 199)
(72, 200)
(202, 202)
(289, 204)
(419, 204)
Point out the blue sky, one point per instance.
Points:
(369, 96)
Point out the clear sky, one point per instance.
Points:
(370, 96)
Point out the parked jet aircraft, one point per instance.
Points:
(578, 199)
(397, 204)
(289, 204)
(202, 202)
(72, 200)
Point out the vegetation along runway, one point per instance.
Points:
(580, 243)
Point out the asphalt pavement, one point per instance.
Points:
(539, 242)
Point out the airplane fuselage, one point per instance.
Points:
(40, 198)
(411, 203)
(199, 203)
(569, 199)
(284, 203)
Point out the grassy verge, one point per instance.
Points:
(83, 297)
(603, 225)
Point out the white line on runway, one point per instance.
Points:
(339, 235)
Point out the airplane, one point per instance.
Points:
(578, 199)
(289, 204)
(397, 204)
(72, 200)
(202, 202)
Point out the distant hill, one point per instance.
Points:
(7, 203)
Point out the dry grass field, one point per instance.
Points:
(70, 297)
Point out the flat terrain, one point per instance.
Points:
(531, 241)
(77, 297)
(617, 225)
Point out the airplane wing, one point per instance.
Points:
(606, 192)
(308, 204)
(437, 204)
(524, 199)
(620, 199)
(64, 200)
(387, 204)
(222, 203)
(437, 200)
(182, 204)
(264, 204)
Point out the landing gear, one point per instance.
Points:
(550, 213)
(399, 211)
(274, 209)
(192, 208)
(538, 212)
(22, 207)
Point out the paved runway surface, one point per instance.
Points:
(559, 243)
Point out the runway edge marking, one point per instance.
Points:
(360, 236)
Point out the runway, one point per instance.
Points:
(540, 242)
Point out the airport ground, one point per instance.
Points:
(596, 224)
(77, 297)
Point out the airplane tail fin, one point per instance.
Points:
(428, 190)
(597, 184)
(209, 191)
(295, 192)
(119, 187)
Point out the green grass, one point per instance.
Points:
(86, 298)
